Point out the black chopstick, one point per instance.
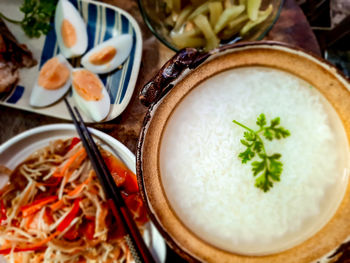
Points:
(115, 200)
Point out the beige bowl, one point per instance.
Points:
(328, 81)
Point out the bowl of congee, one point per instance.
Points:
(244, 155)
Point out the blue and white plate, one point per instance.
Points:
(103, 22)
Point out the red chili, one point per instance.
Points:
(74, 142)
(123, 177)
(136, 206)
(71, 215)
(37, 205)
(2, 211)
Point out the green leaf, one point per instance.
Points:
(261, 120)
(28, 6)
(258, 167)
(276, 168)
(245, 143)
(37, 16)
(247, 155)
(275, 122)
(263, 183)
(268, 134)
(257, 146)
(284, 132)
(250, 136)
(262, 155)
(280, 133)
(275, 156)
(268, 168)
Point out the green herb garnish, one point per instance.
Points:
(269, 167)
(37, 16)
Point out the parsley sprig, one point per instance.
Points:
(37, 16)
(268, 168)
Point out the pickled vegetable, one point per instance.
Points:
(203, 24)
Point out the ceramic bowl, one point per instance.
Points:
(183, 74)
(18, 148)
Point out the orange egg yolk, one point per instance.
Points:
(53, 74)
(103, 56)
(88, 85)
(69, 35)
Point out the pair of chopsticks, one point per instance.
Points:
(115, 200)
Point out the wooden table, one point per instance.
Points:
(292, 27)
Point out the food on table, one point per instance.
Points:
(90, 94)
(213, 193)
(108, 55)
(54, 209)
(70, 30)
(53, 82)
(203, 24)
(54, 78)
(36, 17)
(13, 56)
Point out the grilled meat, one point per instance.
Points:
(13, 56)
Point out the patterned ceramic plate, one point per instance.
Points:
(103, 22)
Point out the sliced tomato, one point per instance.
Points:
(123, 177)
(136, 206)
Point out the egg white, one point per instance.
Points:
(41, 97)
(66, 10)
(95, 110)
(123, 45)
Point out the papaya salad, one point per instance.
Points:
(53, 208)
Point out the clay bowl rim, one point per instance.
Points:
(253, 54)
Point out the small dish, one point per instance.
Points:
(103, 22)
(21, 146)
(155, 20)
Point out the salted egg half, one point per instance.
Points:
(70, 30)
(90, 95)
(108, 55)
(53, 82)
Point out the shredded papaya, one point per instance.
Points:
(80, 187)
(40, 245)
